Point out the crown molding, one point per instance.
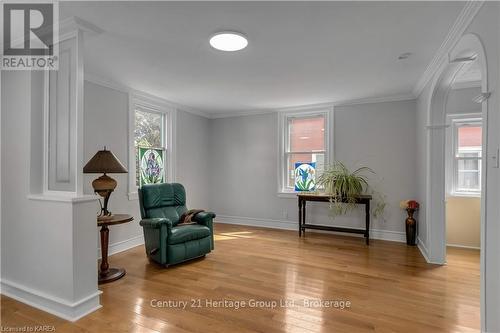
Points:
(470, 10)
(92, 78)
(373, 100)
(75, 23)
(229, 114)
(370, 100)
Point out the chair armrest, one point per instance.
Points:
(156, 222)
(204, 218)
(156, 232)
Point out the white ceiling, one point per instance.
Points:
(299, 53)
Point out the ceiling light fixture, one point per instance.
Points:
(228, 41)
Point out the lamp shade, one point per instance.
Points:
(104, 161)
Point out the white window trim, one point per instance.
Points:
(328, 112)
(455, 120)
(156, 105)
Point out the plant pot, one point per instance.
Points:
(411, 227)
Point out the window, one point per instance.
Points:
(304, 137)
(466, 156)
(149, 144)
(151, 140)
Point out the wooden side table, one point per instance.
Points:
(107, 274)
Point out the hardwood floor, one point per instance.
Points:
(389, 286)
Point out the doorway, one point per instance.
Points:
(463, 160)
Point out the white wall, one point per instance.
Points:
(463, 222)
(244, 157)
(106, 124)
(193, 153)
(243, 161)
(383, 137)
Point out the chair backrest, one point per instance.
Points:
(163, 200)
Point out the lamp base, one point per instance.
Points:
(104, 186)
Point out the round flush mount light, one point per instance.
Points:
(228, 41)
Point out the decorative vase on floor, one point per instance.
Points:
(411, 227)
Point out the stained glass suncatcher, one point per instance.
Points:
(152, 169)
(305, 176)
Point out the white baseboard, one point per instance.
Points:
(423, 250)
(388, 235)
(464, 246)
(394, 236)
(71, 311)
(257, 222)
(123, 245)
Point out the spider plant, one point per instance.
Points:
(343, 186)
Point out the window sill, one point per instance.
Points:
(464, 195)
(293, 195)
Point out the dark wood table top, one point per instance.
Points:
(116, 219)
(324, 196)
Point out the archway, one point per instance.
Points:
(469, 48)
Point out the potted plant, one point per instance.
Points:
(344, 186)
(411, 224)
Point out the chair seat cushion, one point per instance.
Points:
(186, 233)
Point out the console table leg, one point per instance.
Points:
(367, 218)
(300, 217)
(303, 217)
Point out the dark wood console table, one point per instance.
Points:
(304, 197)
(107, 274)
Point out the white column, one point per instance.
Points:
(49, 248)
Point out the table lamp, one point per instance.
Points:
(104, 161)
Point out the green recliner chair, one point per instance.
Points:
(166, 242)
